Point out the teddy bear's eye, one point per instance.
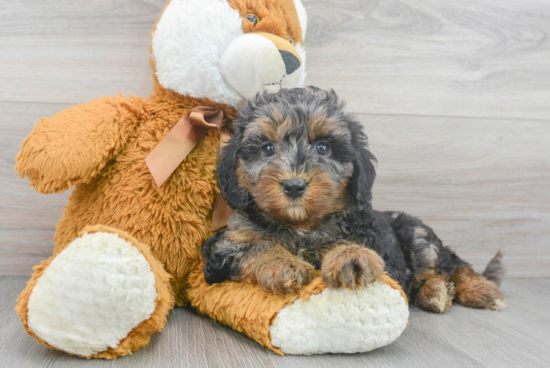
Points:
(252, 18)
(290, 40)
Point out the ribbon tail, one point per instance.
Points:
(221, 213)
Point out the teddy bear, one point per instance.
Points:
(145, 197)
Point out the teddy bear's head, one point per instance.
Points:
(228, 50)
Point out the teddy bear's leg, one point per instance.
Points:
(314, 321)
(103, 296)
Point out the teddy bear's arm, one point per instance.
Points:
(74, 145)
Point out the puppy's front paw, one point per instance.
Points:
(285, 276)
(436, 295)
(351, 266)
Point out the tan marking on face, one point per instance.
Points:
(269, 128)
(321, 198)
(243, 180)
(320, 126)
(268, 192)
(285, 125)
(273, 129)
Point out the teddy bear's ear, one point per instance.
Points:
(236, 196)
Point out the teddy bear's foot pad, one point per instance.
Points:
(341, 321)
(92, 295)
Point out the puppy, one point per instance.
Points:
(299, 176)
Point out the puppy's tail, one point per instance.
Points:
(495, 269)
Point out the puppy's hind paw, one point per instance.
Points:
(351, 266)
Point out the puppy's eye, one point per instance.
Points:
(268, 149)
(252, 18)
(322, 148)
(290, 40)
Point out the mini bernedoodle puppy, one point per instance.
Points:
(298, 174)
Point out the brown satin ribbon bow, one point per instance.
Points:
(165, 158)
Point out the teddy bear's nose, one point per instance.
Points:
(294, 188)
(291, 61)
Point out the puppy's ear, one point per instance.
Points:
(364, 173)
(236, 197)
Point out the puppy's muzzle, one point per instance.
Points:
(294, 188)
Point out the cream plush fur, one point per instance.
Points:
(92, 295)
(192, 58)
(252, 63)
(341, 321)
(188, 43)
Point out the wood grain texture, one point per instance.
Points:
(73, 51)
(482, 184)
(515, 337)
(21, 250)
(478, 58)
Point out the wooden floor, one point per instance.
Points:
(516, 337)
(455, 97)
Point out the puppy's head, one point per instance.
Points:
(298, 156)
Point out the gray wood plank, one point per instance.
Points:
(21, 250)
(479, 58)
(431, 57)
(54, 51)
(482, 184)
(516, 337)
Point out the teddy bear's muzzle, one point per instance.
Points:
(258, 62)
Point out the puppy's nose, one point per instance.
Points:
(294, 188)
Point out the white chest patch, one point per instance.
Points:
(92, 295)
